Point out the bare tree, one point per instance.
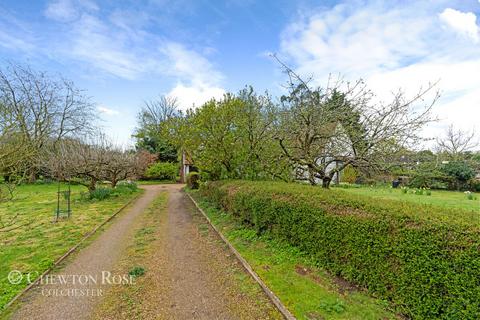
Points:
(121, 165)
(323, 130)
(456, 142)
(42, 109)
(156, 112)
(89, 161)
(83, 161)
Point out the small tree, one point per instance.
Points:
(90, 161)
(456, 143)
(120, 165)
(349, 174)
(144, 160)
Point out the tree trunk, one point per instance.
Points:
(311, 177)
(113, 183)
(93, 185)
(32, 176)
(326, 182)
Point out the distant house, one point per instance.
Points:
(187, 167)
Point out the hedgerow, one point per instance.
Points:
(425, 260)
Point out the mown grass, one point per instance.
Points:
(440, 198)
(37, 241)
(308, 291)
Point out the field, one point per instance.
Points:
(441, 198)
(38, 242)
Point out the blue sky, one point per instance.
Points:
(124, 52)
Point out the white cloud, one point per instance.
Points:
(194, 69)
(195, 96)
(390, 47)
(121, 46)
(61, 10)
(68, 10)
(96, 43)
(15, 34)
(107, 111)
(465, 23)
(188, 64)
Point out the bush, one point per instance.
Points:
(126, 187)
(427, 176)
(460, 171)
(162, 171)
(424, 260)
(474, 185)
(99, 194)
(349, 174)
(193, 180)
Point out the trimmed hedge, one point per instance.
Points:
(162, 171)
(423, 259)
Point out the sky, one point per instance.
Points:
(126, 52)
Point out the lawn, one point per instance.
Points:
(307, 291)
(38, 242)
(441, 198)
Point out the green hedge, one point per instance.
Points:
(162, 171)
(424, 260)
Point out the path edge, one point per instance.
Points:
(70, 251)
(272, 296)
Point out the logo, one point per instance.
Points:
(15, 277)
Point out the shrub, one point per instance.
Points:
(99, 194)
(193, 180)
(461, 171)
(474, 185)
(427, 176)
(349, 174)
(162, 171)
(424, 260)
(126, 187)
